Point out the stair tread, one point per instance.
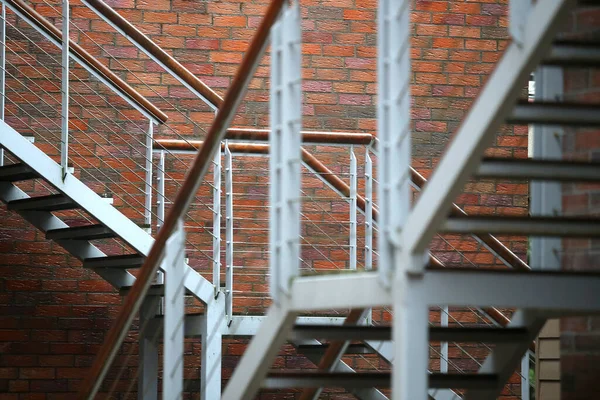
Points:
(536, 226)
(154, 290)
(384, 332)
(303, 378)
(556, 170)
(17, 172)
(573, 53)
(52, 202)
(555, 113)
(86, 232)
(120, 261)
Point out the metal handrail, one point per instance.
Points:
(40, 23)
(216, 134)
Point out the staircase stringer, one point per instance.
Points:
(92, 203)
(81, 249)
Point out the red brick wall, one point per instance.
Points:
(55, 314)
(580, 337)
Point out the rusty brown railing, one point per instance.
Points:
(193, 179)
(48, 29)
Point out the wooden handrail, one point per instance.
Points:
(86, 58)
(154, 51)
(184, 197)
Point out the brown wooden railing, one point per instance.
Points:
(184, 197)
(48, 29)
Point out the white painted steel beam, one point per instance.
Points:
(393, 126)
(85, 197)
(216, 228)
(2, 72)
(285, 151)
(148, 351)
(173, 333)
(148, 177)
(210, 368)
(353, 205)
(64, 113)
(228, 234)
(534, 290)
(477, 130)
(338, 291)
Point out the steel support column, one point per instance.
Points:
(210, 369)
(64, 138)
(353, 206)
(160, 193)
(285, 151)
(228, 234)
(148, 352)
(174, 266)
(216, 229)
(148, 178)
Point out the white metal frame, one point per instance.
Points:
(228, 234)
(216, 228)
(285, 151)
(64, 114)
(353, 205)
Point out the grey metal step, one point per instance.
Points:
(87, 232)
(554, 170)
(154, 290)
(317, 379)
(436, 333)
(53, 202)
(551, 113)
(574, 54)
(126, 261)
(358, 348)
(16, 172)
(535, 226)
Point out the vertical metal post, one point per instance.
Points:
(525, 393)
(368, 221)
(353, 195)
(228, 234)
(519, 11)
(148, 375)
(285, 157)
(174, 266)
(64, 140)
(160, 195)
(368, 211)
(393, 122)
(445, 313)
(2, 72)
(217, 222)
(148, 185)
(212, 344)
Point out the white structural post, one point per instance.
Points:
(174, 266)
(353, 196)
(2, 72)
(525, 393)
(368, 212)
(217, 222)
(368, 220)
(393, 120)
(160, 193)
(64, 139)
(148, 178)
(210, 368)
(228, 234)
(148, 374)
(518, 14)
(285, 156)
(445, 313)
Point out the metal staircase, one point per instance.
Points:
(404, 280)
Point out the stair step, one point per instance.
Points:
(436, 333)
(154, 290)
(321, 348)
(535, 226)
(552, 113)
(126, 261)
(53, 202)
(555, 170)
(574, 54)
(357, 380)
(17, 172)
(88, 232)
